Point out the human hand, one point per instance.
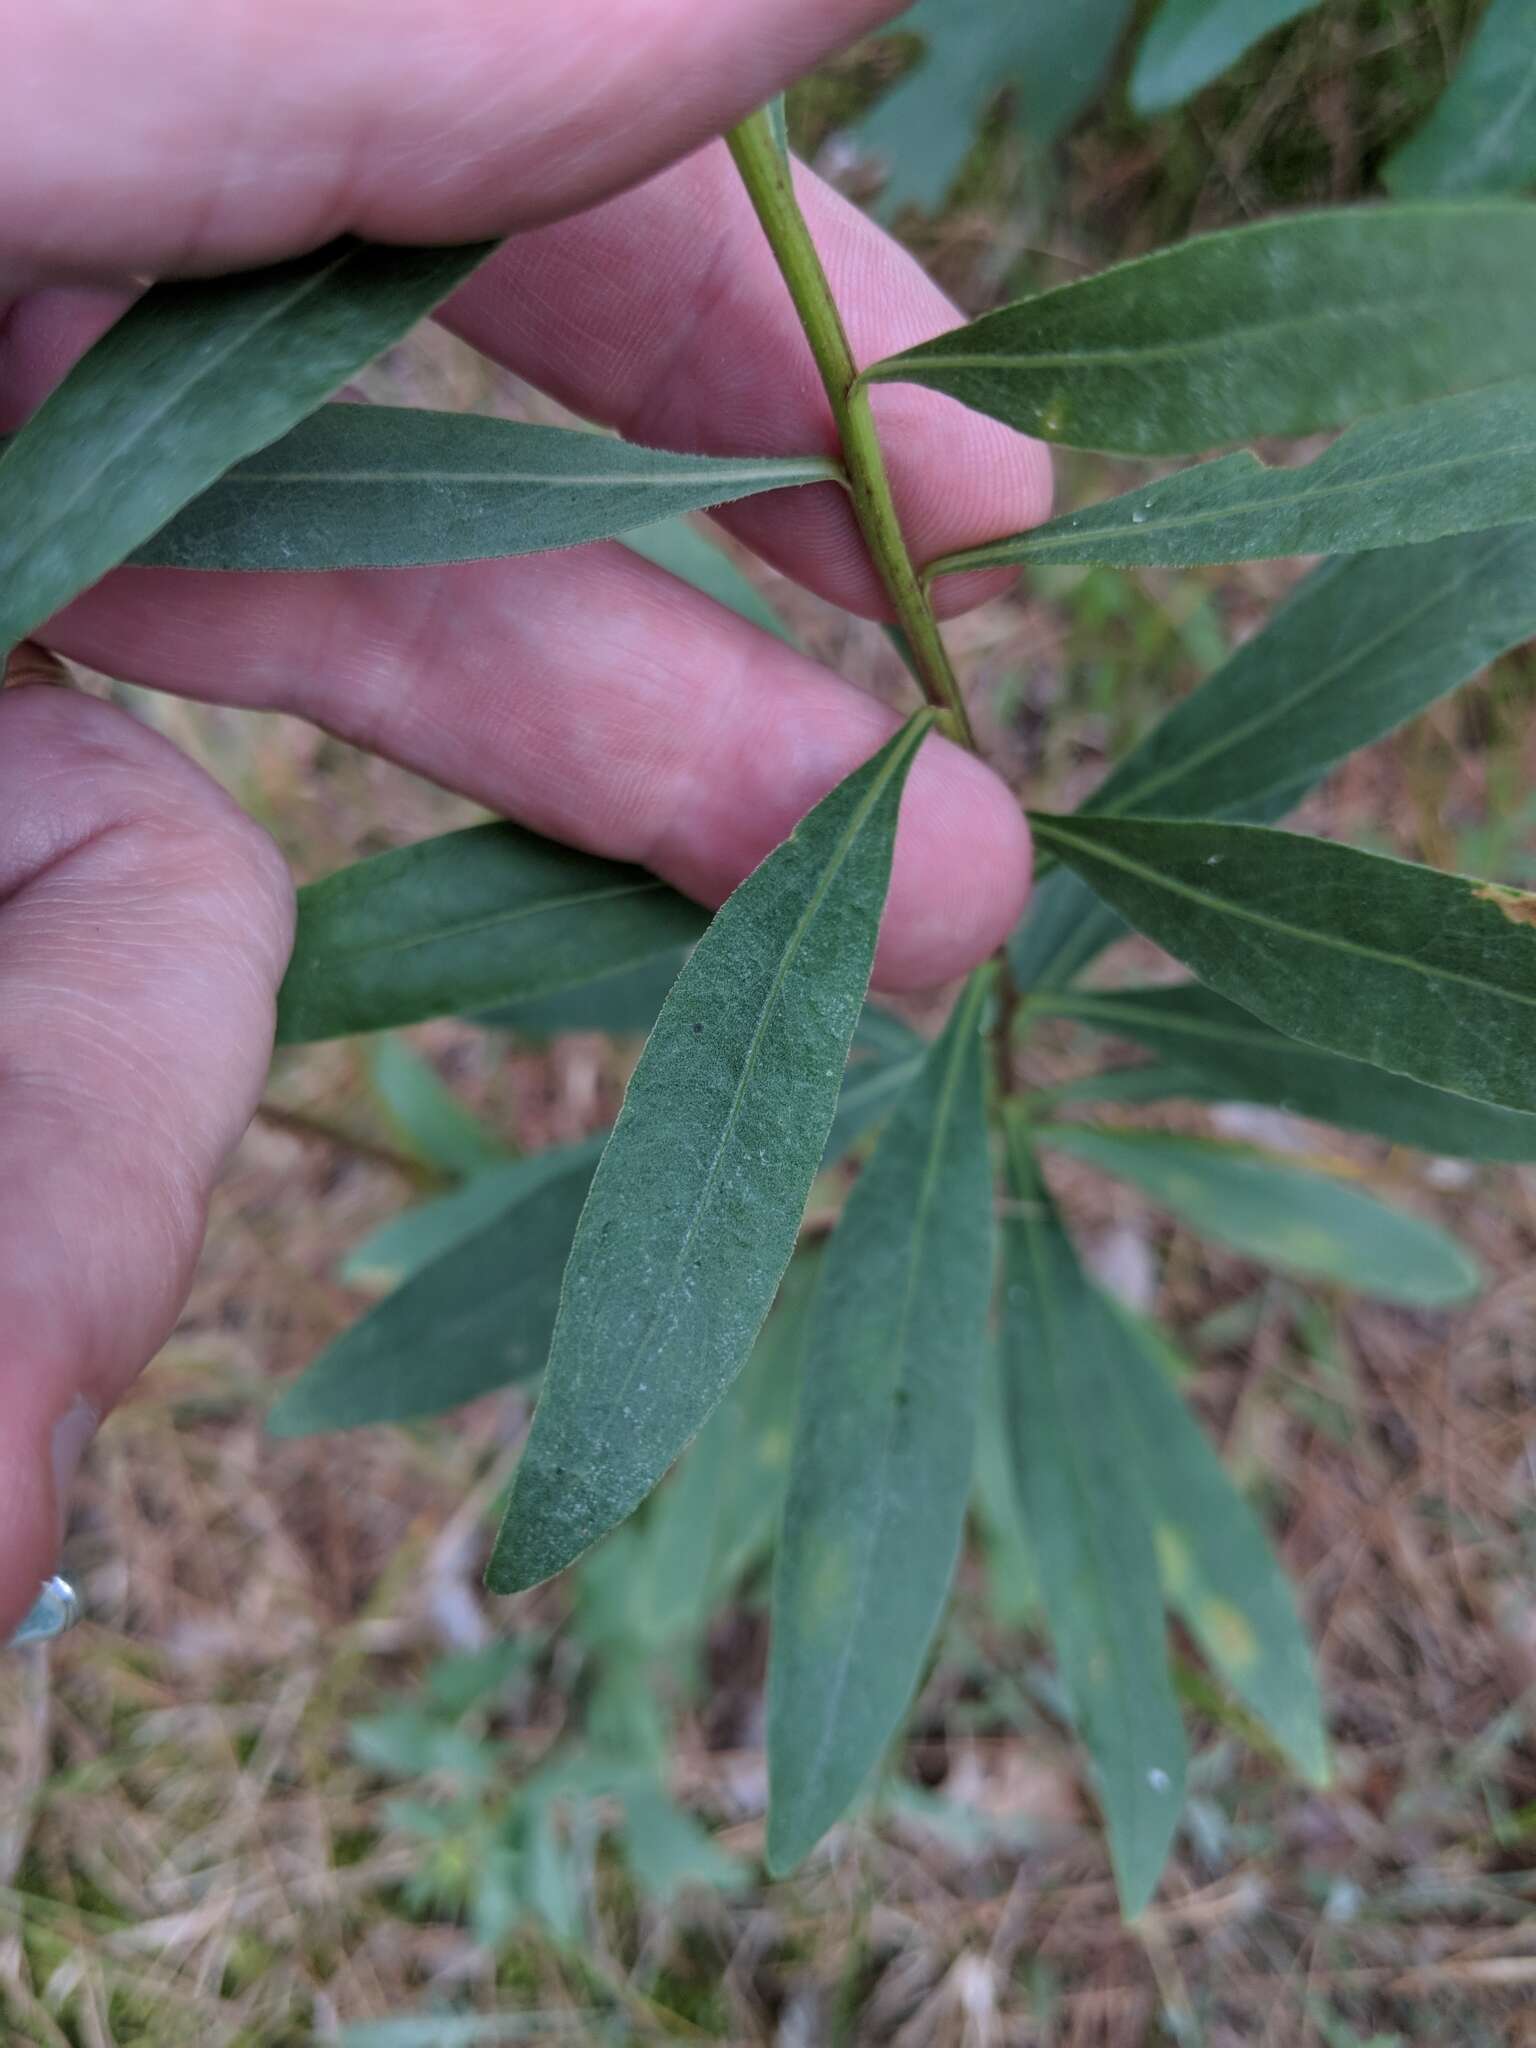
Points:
(144, 921)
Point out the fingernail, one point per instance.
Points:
(29, 664)
(71, 1434)
(56, 1609)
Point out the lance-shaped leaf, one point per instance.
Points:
(476, 1318)
(1481, 136)
(1281, 328)
(390, 487)
(1362, 646)
(1217, 1568)
(716, 1516)
(1426, 974)
(1190, 42)
(1223, 1052)
(492, 914)
(1090, 1535)
(1457, 465)
(695, 1207)
(884, 1442)
(678, 547)
(194, 377)
(1050, 59)
(1281, 1214)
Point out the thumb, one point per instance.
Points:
(144, 925)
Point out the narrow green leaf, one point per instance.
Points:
(678, 547)
(1225, 1053)
(1281, 328)
(194, 377)
(778, 121)
(696, 1204)
(1426, 974)
(476, 1318)
(1190, 42)
(1050, 59)
(492, 914)
(716, 1515)
(884, 1442)
(401, 1247)
(1064, 1361)
(1280, 1214)
(428, 1117)
(1481, 136)
(1217, 1568)
(1362, 646)
(1456, 465)
(391, 487)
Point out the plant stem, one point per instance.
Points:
(766, 173)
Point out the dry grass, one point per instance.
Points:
(189, 1849)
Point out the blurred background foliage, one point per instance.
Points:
(298, 1780)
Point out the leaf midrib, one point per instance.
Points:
(1211, 342)
(493, 921)
(247, 478)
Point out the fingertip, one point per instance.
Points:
(961, 872)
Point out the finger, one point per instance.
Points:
(663, 314)
(193, 135)
(596, 699)
(144, 924)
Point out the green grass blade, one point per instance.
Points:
(1481, 136)
(1229, 1055)
(884, 1442)
(1456, 465)
(1217, 1568)
(492, 914)
(475, 1318)
(1089, 1533)
(1191, 42)
(1284, 327)
(389, 487)
(194, 377)
(696, 1205)
(1426, 974)
(1280, 1214)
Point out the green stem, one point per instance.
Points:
(766, 174)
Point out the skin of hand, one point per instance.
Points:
(144, 920)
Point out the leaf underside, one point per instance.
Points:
(391, 487)
(1429, 975)
(696, 1205)
(1285, 327)
(197, 375)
